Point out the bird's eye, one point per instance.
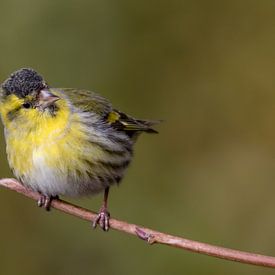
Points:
(26, 105)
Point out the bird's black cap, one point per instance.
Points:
(23, 82)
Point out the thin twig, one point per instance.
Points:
(151, 236)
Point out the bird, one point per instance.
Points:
(66, 141)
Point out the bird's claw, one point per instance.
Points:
(45, 202)
(102, 219)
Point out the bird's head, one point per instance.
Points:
(25, 93)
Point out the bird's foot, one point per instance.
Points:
(45, 201)
(102, 219)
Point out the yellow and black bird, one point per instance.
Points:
(63, 141)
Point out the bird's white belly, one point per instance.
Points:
(58, 181)
(48, 180)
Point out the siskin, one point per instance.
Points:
(65, 141)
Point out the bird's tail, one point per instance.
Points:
(147, 125)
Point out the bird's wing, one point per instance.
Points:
(88, 101)
(121, 121)
(93, 102)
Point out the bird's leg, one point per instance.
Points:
(45, 201)
(103, 216)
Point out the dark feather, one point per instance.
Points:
(130, 124)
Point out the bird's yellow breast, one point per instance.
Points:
(35, 136)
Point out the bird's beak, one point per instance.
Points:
(46, 98)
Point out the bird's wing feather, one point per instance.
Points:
(93, 102)
(88, 101)
(126, 123)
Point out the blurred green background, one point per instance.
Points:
(207, 68)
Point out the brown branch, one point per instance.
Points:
(151, 236)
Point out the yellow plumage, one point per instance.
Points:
(65, 141)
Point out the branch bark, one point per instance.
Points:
(151, 236)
